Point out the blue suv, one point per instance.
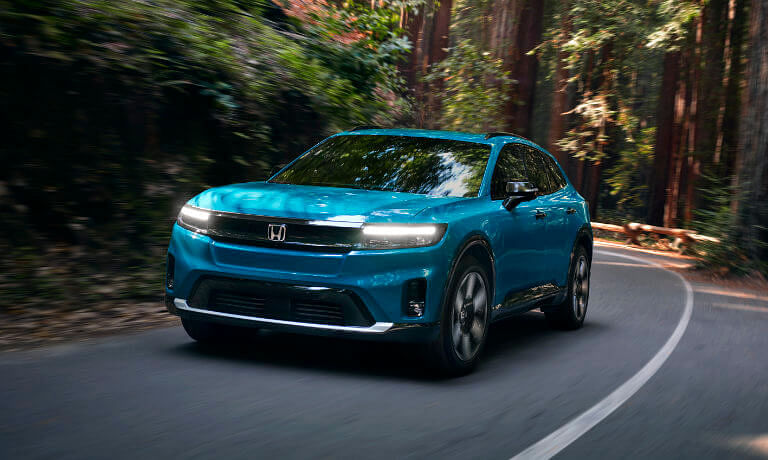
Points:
(411, 235)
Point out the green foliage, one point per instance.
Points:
(627, 179)
(117, 111)
(672, 17)
(587, 140)
(717, 219)
(613, 51)
(475, 89)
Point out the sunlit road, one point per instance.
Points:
(157, 394)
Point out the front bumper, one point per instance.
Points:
(408, 332)
(377, 278)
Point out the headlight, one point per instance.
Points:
(194, 219)
(390, 236)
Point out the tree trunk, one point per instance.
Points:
(734, 91)
(560, 98)
(727, 64)
(604, 87)
(663, 145)
(419, 28)
(438, 46)
(581, 183)
(415, 32)
(503, 28)
(696, 135)
(519, 108)
(753, 165)
(680, 137)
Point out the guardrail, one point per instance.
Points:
(633, 230)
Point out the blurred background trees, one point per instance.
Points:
(115, 112)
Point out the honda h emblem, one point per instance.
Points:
(276, 232)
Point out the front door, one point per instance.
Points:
(522, 240)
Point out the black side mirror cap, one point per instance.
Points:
(519, 191)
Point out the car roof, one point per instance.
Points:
(450, 135)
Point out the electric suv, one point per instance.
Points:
(409, 235)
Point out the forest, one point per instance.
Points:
(118, 111)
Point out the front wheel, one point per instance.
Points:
(571, 312)
(464, 321)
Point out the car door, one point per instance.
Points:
(566, 221)
(549, 209)
(520, 244)
(560, 226)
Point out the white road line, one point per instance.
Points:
(564, 436)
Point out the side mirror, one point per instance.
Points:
(517, 192)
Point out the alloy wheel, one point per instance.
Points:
(468, 318)
(580, 290)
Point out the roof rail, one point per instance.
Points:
(362, 127)
(501, 133)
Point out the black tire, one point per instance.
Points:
(471, 317)
(570, 313)
(211, 333)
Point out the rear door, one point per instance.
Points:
(521, 242)
(568, 221)
(554, 204)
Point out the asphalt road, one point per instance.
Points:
(157, 394)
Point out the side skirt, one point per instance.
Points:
(518, 302)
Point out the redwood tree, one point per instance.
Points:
(519, 108)
(753, 164)
(559, 105)
(664, 133)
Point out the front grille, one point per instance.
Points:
(238, 304)
(303, 304)
(299, 234)
(315, 312)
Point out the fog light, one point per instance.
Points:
(415, 297)
(170, 268)
(415, 308)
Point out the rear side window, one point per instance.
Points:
(555, 175)
(510, 167)
(538, 171)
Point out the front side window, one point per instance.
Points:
(510, 167)
(421, 165)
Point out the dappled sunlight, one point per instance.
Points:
(733, 306)
(730, 293)
(756, 444)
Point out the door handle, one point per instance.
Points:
(540, 215)
(570, 211)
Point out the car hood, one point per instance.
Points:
(317, 203)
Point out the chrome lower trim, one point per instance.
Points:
(376, 328)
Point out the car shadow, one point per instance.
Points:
(368, 358)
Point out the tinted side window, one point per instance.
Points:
(509, 167)
(538, 171)
(555, 175)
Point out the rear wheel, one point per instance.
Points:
(464, 321)
(571, 312)
(210, 332)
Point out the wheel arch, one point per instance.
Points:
(584, 238)
(478, 246)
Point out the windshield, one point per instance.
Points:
(393, 163)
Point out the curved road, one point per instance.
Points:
(157, 394)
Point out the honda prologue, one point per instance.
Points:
(410, 235)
